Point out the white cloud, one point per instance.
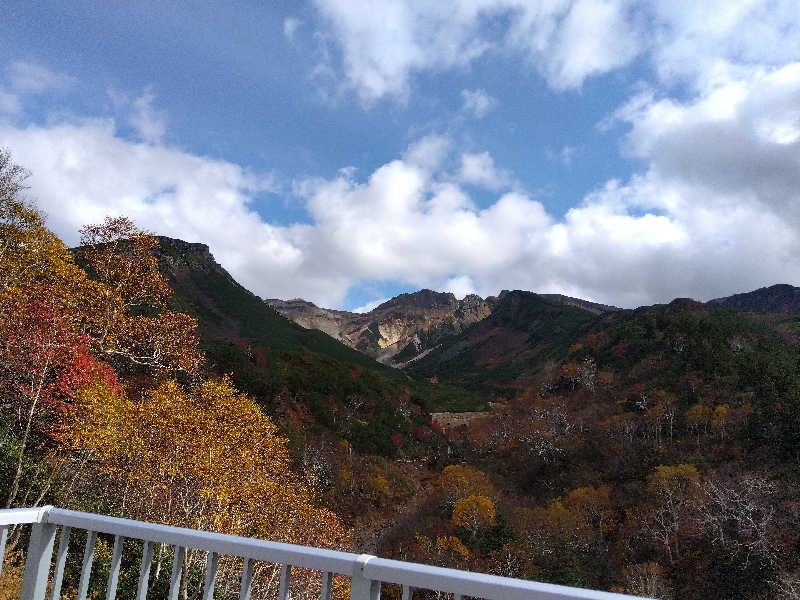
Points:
(582, 39)
(83, 171)
(290, 25)
(370, 306)
(739, 140)
(673, 231)
(715, 210)
(477, 102)
(149, 123)
(705, 43)
(31, 77)
(428, 153)
(566, 41)
(460, 286)
(28, 78)
(479, 169)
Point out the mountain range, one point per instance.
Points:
(407, 327)
(576, 422)
(434, 335)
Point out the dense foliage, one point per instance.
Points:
(106, 405)
(659, 456)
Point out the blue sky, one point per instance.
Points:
(627, 152)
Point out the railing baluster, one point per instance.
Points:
(247, 579)
(116, 560)
(327, 586)
(364, 589)
(3, 538)
(177, 567)
(211, 576)
(61, 561)
(37, 563)
(144, 571)
(86, 569)
(286, 577)
(367, 572)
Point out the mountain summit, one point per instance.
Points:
(775, 298)
(406, 327)
(389, 328)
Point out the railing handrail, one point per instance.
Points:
(19, 516)
(466, 583)
(318, 559)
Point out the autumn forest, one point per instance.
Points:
(653, 451)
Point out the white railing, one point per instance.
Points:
(366, 572)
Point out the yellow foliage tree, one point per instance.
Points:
(451, 552)
(474, 513)
(593, 510)
(206, 459)
(462, 481)
(29, 252)
(127, 319)
(675, 489)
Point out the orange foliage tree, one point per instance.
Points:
(128, 320)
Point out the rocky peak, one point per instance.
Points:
(414, 320)
(177, 254)
(409, 325)
(424, 299)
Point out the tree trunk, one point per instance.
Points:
(18, 475)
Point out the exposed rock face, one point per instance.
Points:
(410, 323)
(309, 315)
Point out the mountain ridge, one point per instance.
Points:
(780, 297)
(227, 311)
(409, 324)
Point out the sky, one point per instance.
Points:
(626, 152)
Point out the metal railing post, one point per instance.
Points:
(37, 562)
(362, 588)
(3, 538)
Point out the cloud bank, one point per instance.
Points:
(565, 41)
(714, 210)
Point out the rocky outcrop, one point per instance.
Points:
(336, 323)
(409, 323)
(407, 327)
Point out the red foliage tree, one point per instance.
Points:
(43, 363)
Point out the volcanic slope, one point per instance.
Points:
(524, 333)
(407, 326)
(226, 311)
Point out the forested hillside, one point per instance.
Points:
(659, 455)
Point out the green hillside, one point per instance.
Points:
(516, 341)
(285, 366)
(226, 311)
